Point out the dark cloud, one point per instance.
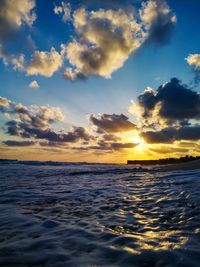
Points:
(176, 102)
(115, 146)
(36, 116)
(18, 143)
(119, 146)
(77, 133)
(35, 122)
(26, 130)
(170, 135)
(111, 137)
(13, 128)
(50, 144)
(169, 114)
(112, 123)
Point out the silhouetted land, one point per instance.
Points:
(163, 161)
(133, 162)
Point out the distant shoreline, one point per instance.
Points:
(164, 161)
(159, 162)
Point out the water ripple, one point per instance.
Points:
(98, 215)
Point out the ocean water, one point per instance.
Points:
(65, 215)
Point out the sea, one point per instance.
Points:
(93, 215)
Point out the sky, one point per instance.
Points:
(99, 80)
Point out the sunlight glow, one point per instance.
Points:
(141, 143)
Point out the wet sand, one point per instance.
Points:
(193, 165)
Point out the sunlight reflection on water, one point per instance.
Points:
(98, 215)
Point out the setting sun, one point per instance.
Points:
(141, 144)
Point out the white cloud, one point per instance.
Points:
(71, 74)
(157, 19)
(34, 85)
(4, 102)
(194, 61)
(105, 38)
(15, 13)
(38, 116)
(18, 62)
(108, 37)
(65, 10)
(153, 10)
(45, 63)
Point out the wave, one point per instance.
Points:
(108, 171)
(68, 216)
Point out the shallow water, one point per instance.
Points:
(98, 215)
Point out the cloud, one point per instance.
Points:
(4, 105)
(45, 63)
(18, 143)
(18, 62)
(4, 102)
(169, 114)
(72, 75)
(108, 37)
(119, 146)
(171, 134)
(109, 146)
(50, 144)
(42, 62)
(26, 130)
(106, 123)
(158, 20)
(65, 10)
(111, 137)
(194, 61)
(37, 116)
(35, 122)
(113, 35)
(15, 13)
(34, 85)
(172, 103)
(103, 39)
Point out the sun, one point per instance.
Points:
(141, 144)
(133, 137)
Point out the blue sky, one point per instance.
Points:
(152, 64)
